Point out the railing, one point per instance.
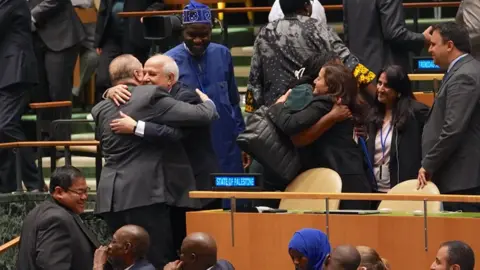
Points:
(267, 9)
(416, 16)
(233, 196)
(10, 244)
(66, 144)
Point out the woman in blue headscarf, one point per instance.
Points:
(308, 249)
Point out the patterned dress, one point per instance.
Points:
(281, 48)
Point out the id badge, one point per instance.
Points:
(384, 172)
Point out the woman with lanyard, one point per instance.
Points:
(395, 127)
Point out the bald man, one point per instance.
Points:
(199, 252)
(127, 250)
(141, 179)
(161, 70)
(343, 257)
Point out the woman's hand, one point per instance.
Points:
(340, 112)
(283, 98)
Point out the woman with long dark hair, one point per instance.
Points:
(335, 148)
(395, 127)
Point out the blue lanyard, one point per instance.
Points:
(383, 141)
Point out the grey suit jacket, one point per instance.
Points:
(375, 31)
(57, 23)
(451, 135)
(469, 15)
(138, 173)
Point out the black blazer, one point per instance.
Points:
(197, 142)
(16, 49)
(406, 145)
(375, 31)
(57, 23)
(54, 238)
(133, 31)
(335, 149)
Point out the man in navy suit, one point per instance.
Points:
(199, 252)
(127, 250)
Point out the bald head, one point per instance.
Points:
(343, 257)
(137, 237)
(199, 251)
(123, 68)
(200, 241)
(161, 70)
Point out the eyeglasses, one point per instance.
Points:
(80, 192)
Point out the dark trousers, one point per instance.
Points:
(55, 80)
(178, 218)
(155, 219)
(271, 182)
(111, 49)
(13, 100)
(460, 206)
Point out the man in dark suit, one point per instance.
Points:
(140, 179)
(53, 235)
(127, 250)
(162, 70)
(199, 252)
(468, 14)
(115, 36)
(57, 33)
(451, 135)
(375, 31)
(18, 75)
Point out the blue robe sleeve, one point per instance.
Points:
(234, 97)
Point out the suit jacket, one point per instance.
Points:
(469, 15)
(376, 33)
(335, 149)
(54, 238)
(452, 132)
(406, 145)
(136, 171)
(133, 27)
(142, 265)
(16, 49)
(223, 265)
(57, 23)
(196, 141)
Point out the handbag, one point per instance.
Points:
(268, 145)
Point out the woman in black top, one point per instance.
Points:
(395, 127)
(336, 148)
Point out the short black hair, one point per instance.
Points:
(460, 253)
(293, 6)
(63, 177)
(455, 32)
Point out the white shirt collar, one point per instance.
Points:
(129, 267)
(211, 267)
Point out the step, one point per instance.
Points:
(91, 183)
(85, 164)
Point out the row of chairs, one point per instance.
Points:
(323, 180)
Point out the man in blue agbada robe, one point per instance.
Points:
(208, 66)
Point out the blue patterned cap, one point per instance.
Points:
(196, 12)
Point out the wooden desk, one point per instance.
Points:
(261, 240)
